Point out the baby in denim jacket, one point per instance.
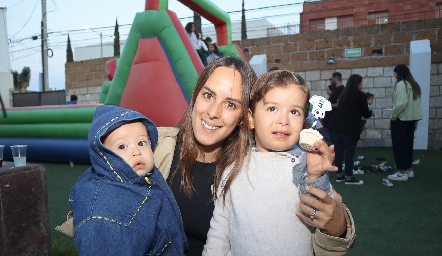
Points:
(122, 204)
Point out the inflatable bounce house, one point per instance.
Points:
(155, 75)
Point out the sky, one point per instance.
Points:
(63, 17)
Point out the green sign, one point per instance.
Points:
(353, 52)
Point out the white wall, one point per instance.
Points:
(420, 66)
(94, 51)
(255, 29)
(6, 83)
(5, 64)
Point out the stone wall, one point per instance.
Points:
(383, 47)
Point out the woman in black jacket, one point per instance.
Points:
(352, 105)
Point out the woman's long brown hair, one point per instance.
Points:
(403, 73)
(234, 148)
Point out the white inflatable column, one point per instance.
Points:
(420, 67)
(259, 64)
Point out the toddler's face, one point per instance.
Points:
(370, 101)
(131, 142)
(278, 118)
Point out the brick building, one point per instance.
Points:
(334, 14)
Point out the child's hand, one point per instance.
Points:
(321, 161)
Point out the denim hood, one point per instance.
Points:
(115, 207)
(105, 162)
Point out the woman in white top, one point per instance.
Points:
(202, 53)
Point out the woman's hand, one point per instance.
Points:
(329, 213)
(320, 161)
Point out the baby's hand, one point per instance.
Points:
(321, 161)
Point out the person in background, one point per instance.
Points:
(201, 43)
(405, 114)
(191, 32)
(122, 203)
(73, 100)
(325, 133)
(208, 42)
(214, 134)
(337, 87)
(279, 103)
(329, 90)
(214, 53)
(370, 98)
(345, 127)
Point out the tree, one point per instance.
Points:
(243, 23)
(21, 81)
(25, 77)
(197, 21)
(16, 80)
(69, 54)
(116, 39)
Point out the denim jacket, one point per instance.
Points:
(116, 211)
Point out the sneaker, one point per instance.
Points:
(410, 174)
(358, 172)
(387, 182)
(354, 181)
(417, 161)
(340, 179)
(398, 176)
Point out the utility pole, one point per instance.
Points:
(44, 46)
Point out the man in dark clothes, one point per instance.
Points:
(336, 81)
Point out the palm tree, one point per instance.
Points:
(25, 77)
(16, 80)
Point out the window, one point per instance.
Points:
(377, 17)
(345, 21)
(438, 9)
(317, 24)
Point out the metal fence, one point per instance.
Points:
(288, 29)
(29, 99)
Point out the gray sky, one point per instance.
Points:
(24, 19)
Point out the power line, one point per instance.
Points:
(55, 43)
(35, 6)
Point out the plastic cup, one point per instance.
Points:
(19, 155)
(1, 155)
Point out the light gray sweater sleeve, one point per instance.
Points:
(300, 176)
(218, 241)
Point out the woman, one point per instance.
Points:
(213, 53)
(406, 112)
(352, 105)
(191, 32)
(329, 89)
(214, 133)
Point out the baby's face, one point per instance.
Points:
(131, 142)
(370, 101)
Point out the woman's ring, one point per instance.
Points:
(312, 216)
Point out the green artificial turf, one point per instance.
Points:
(401, 220)
(59, 179)
(405, 219)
